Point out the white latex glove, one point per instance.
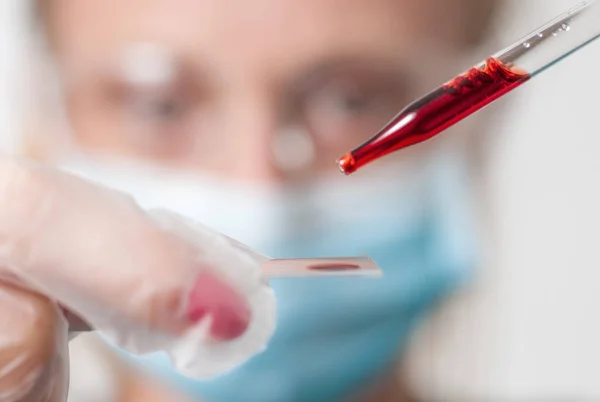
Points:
(148, 282)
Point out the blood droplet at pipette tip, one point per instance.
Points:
(347, 163)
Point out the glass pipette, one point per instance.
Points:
(481, 85)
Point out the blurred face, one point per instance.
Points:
(261, 90)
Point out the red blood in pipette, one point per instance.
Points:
(440, 109)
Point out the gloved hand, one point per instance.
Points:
(72, 253)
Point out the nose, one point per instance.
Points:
(259, 149)
(252, 129)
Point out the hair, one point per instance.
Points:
(474, 27)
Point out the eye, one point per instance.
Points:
(345, 100)
(158, 121)
(352, 105)
(158, 108)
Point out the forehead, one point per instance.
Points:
(92, 26)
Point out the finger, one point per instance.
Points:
(107, 260)
(33, 348)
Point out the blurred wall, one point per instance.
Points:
(6, 49)
(529, 327)
(11, 40)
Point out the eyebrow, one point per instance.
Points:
(112, 69)
(381, 65)
(395, 72)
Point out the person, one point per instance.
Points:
(232, 113)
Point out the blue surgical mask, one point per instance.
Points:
(335, 335)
